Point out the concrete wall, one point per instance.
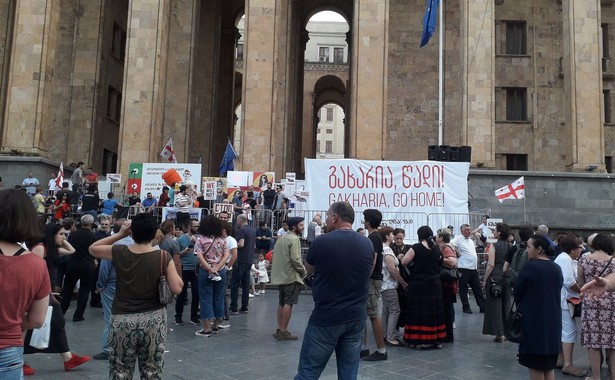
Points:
(562, 201)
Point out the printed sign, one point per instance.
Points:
(147, 177)
(114, 177)
(171, 213)
(219, 207)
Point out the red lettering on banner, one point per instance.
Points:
(378, 177)
(422, 176)
(367, 200)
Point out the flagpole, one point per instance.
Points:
(524, 211)
(440, 71)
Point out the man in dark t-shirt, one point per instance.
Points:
(267, 197)
(81, 267)
(341, 261)
(245, 237)
(373, 218)
(90, 201)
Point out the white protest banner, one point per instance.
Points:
(114, 177)
(147, 177)
(209, 190)
(491, 222)
(226, 207)
(404, 191)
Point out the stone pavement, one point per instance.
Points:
(248, 351)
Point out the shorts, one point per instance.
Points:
(289, 294)
(569, 327)
(373, 298)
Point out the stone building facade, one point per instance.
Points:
(527, 82)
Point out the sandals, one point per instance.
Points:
(573, 371)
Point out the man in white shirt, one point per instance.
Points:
(468, 266)
(183, 201)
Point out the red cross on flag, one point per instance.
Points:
(168, 153)
(60, 176)
(515, 190)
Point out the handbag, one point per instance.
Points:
(40, 336)
(164, 292)
(513, 330)
(449, 274)
(495, 289)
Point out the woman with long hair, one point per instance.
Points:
(497, 285)
(450, 287)
(425, 326)
(24, 279)
(211, 252)
(537, 293)
(165, 239)
(138, 320)
(54, 245)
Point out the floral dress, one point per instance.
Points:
(598, 313)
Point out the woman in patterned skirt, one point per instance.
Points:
(425, 325)
(598, 313)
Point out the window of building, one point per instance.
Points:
(329, 131)
(114, 104)
(329, 147)
(109, 162)
(118, 44)
(607, 106)
(516, 38)
(317, 146)
(608, 163)
(239, 52)
(516, 104)
(516, 162)
(323, 54)
(338, 55)
(329, 114)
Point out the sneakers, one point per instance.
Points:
(376, 356)
(242, 311)
(179, 321)
(101, 356)
(258, 292)
(262, 292)
(251, 295)
(203, 333)
(195, 321)
(364, 353)
(233, 312)
(27, 370)
(75, 361)
(286, 335)
(467, 310)
(224, 325)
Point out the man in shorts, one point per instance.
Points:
(287, 271)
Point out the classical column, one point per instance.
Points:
(141, 138)
(369, 51)
(583, 83)
(265, 84)
(177, 100)
(478, 67)
(30, 76)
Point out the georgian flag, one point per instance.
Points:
(168, 153)
(515, 190)
(60, 176)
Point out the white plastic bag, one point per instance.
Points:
(40, 336)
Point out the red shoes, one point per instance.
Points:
(27, 370)
(75, 361)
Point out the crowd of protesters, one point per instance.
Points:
(406, 291)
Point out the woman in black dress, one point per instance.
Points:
(537, 294)
(425, 315)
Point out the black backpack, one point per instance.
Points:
(518, 261)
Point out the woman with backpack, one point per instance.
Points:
(499, 300)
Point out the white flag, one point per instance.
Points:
(60, 176)
(515, 190)
(168, 153)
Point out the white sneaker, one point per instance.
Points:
(224, 325)
(262, 292)
(251, 295)
(257, 292)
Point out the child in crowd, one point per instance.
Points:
(253, 274)
(263, 277)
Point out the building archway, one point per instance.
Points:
(328, 118)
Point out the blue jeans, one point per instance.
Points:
(106, 296)
(11, 363)
(319, 342)
(211, 295)
(241, 276)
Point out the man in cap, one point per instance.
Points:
(287, 271)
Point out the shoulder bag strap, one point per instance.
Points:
(606, 267)
(163, 254)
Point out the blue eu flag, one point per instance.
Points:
(227, 161)
(429, 21)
